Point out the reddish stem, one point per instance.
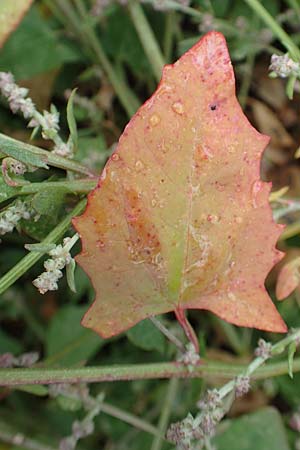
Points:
(187, 328)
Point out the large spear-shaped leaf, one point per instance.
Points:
(180, 218)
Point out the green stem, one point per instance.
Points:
(246, 80)
(291, 230)
(31, 321)
(259, 361)
(147, 38)
(82, 186)
(131, 419)
(176, 6)
(165, 413)
(278, 31)
(208, 369)
(29, 260)
(232, 335)
(170, 336)
(168, 35)
(129, 102)
(187, 327)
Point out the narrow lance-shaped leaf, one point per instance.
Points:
(180, 218)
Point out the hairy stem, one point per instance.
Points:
(187, 328)
(165, 413)
(208, 369)
(131, 419)
(170, 336)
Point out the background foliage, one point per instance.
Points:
(99, 47)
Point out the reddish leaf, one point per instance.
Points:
(180, 218)
(288, 279)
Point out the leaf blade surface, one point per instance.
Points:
(180, 218)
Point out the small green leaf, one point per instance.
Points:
(27, 154)
(40, 391)
(71, 120)
(290, 86)
(40, 248)
(67, 341)
(70, 269)
(265, 428)
(291, 353)
(49, 202)
(146, 336)
(69, 404)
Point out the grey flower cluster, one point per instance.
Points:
(60, 257)
(48, 121)
(8, 360)
(16, 96)
(283, 66)
(12, 215)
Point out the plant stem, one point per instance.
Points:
(232, 335)
(131, 419)
(187, 328)
(168, 35)
(29, 260)
(290, 231)
(246, 81)
(289, 206)
(82, 186)
(147, 38)
(170, 336)
(257, 362)
(165, 413)
(176, 6)
(278, 31)
(129, 102)
(208, 369)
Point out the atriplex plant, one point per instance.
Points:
(25, 200)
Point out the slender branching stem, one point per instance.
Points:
(169, 335)
(187, 328)
(29, 260)
(147, 37)
(278, 31)
(165, 413)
